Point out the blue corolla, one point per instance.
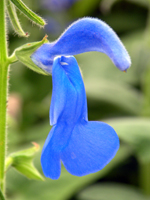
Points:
(83, 146)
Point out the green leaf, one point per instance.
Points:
(14, 19)
(65, 186)
(111, 191)
(24, 52)
(28, 13)
(22, 162)
(136, 132)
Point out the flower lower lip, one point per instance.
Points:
(83, 146)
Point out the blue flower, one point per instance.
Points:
(84, 35)
(83, 146)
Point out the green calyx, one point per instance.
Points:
(24, 52)
(22, 161)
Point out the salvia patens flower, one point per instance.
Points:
(83, 146)
(84, 35)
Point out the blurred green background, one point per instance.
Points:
(120, 99)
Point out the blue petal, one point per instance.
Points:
(84, 35)
(50, 159)
(84, 147)
(56, 141)
(92, 145)
(68, 102)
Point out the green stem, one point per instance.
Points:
(3, 99)
(1, 196)
(3, 93)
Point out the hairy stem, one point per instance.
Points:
(3, 92)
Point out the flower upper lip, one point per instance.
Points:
(84, 35)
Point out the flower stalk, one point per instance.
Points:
(4, 63)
